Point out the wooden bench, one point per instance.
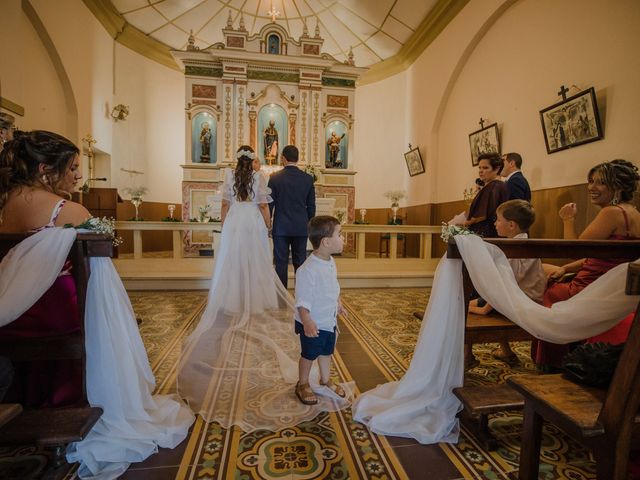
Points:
(496, 327)
(607, 421)
(55, 428)
(481, 401)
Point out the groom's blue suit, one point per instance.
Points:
(294, 201)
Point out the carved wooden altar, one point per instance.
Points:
(231, 86)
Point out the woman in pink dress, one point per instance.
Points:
(611, 186)
(38, 172)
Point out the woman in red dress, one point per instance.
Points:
(611, 186)
(38, 172)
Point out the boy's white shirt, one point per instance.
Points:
(318, 290)
(529, 274)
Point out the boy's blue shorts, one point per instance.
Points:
(313, 347)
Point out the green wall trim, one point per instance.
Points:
(273, 76)
(338, 82)
(203, 71)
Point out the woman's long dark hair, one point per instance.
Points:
(21, 158)
(243, 177)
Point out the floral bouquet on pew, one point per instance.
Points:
(449, 231)
(105, 226)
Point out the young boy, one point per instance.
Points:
(513, 220)
(317, 305)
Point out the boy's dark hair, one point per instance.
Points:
(321, 227)
(519, 211)
(290, 153)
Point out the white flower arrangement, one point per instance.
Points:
(449, 231)
(313, 171)
(105, 226)
(136, 192)
(395, 196)
(204, 211)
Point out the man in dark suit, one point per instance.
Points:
(294, 201)
(517, 185)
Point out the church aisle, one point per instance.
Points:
(375, 345)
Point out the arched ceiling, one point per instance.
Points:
(378, 31)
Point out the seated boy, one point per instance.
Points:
(513, 220)
(317, 305)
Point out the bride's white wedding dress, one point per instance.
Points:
(240, 364)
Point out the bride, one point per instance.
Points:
(240, 364)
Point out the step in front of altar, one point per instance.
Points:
(195, 273)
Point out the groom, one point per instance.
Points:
(294, 200)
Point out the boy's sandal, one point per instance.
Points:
(305, 394)
(335, 388)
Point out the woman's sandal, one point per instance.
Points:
(335, 388)
(305, 394)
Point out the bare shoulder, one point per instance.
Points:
(72, 213)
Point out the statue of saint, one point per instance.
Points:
(270, 138)
(205, 142)
(334, 150)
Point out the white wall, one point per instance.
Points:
(516, 69)
(28, 76)
(380, 133)
(503, 60)
(150, 140)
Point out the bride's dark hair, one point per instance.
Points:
(243, 176)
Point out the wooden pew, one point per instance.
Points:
(604, 420)
(55, 428)
(481, 401)
(495, 328)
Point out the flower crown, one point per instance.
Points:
(246, 153)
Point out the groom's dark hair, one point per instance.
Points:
(290, 153)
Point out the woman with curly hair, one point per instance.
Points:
(38, 172)
(240, 365)
(611, 186)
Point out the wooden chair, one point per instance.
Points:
(605, 421)
(55, 428)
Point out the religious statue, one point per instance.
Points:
(205, 142)
(334, 150)
(271, 143)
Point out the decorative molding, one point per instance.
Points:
(316, 114)
(203, 91)
(129, 36)
(335, 101)
(273, 76)
(200, 71)
(338, 82)
(303, 127)
(240, 118)
(341, 116)
(11, 106)
(227, 123)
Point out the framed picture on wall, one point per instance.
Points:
(414, 161)
(485, 140)
(571, 122)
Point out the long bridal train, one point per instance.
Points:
(422, 405)
(119, 379)
(240, 364)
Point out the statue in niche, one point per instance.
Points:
(274, 44)
(205, 142)
(271, 143)
(334, 150)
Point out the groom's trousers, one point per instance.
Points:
(281, 245)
